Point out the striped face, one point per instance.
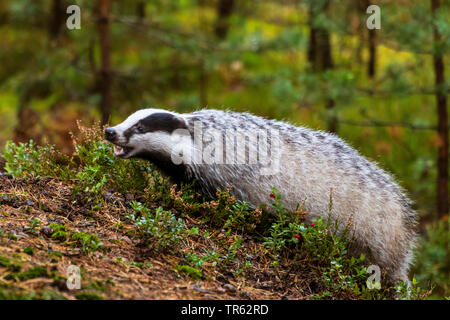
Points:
(145, 132)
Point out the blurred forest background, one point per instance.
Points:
(311, 62)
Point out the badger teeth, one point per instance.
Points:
(118, 151)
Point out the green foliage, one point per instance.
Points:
(28, 159)
(100, 169)
(28, 250)
(319, 244)
(59, 232)
(287, 228)
(432, 258)
(161, 230)
(194, 273)
(198, 261)
(233, 250)
(33, 272)
(33, 224)
(13, 266)
(88, 242)
(88, 296)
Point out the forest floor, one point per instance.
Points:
(34, 263)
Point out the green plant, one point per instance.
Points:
(24, 159)
(100, 169)
(29, 251)
(88, 242)
(33, 272)
(34, 223)
(88, 296)
(194, 273)
(432, 257)
(233, 250)
(162, 230)
(59, 232)
(198, 261)
(319, 244)
(287, 228)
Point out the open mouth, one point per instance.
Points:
(122, 152)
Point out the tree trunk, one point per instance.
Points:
(442, 191)
(203, 71)
(319, 53)
(105, 68)
(312, 44)
(372, 53)
(224, 10)
(58, 15)
(140, 10)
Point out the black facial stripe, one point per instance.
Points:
(161, 121)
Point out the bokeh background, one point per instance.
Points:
(311, 62)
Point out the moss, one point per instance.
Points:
(19, 294)
(190, 271)
(29, 251)
(88, 296)
(98, 285)
(60, 236)
(56, 254)
(10, 294)
(60, 232)
(32, 273)
(11, 266)
(51, 295)
(4, 262)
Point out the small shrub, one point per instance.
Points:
(318, 244)
(24, 159)
(29, 251)
(88, 242)
(33, 224)
(60, 232)
(433, 258)
(99, 169)
(162, 230)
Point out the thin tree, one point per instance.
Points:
(203, 76)
(104, 79)
(442, 191)
(140, 10)
(57, 18)
(224, 11)
(319, 50)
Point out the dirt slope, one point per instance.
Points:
(34, 262)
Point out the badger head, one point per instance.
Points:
(146, 134)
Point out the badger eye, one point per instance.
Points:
(140, 129)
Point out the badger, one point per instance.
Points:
(253, 155)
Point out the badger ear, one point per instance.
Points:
(182, 122)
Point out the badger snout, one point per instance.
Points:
(110, 134)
